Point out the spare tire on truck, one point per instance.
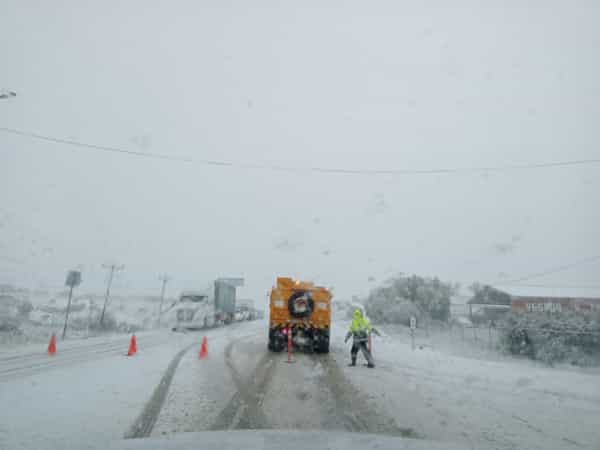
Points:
(301, 304)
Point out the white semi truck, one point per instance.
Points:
(196, 310)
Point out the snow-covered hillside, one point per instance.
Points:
(33, 315)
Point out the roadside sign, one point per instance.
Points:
(73, 278)
(413, 322)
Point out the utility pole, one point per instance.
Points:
(165, 279)
(112, 268)
(67, 314)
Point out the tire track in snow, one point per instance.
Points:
(350, 409)
(353, 408)
(244, 410)
(144, 424)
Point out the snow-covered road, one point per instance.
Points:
(244, 386)
(91, 394)
(86, 395)
(33, 359)
(500, 404)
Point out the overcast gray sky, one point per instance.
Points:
(354, 85)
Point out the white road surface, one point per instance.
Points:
(90, 394)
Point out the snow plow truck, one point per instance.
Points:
(302, 310)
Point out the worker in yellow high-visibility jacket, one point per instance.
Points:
(360, 329)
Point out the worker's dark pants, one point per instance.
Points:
(362, 345)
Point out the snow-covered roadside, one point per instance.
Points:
(486, 404)
(200, 389)
(32, 316)
(76, 343)
(84, 405)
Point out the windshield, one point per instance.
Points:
(376, 218)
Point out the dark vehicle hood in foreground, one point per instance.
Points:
(281, 440)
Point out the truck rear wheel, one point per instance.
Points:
(275, 344)
(321, 342)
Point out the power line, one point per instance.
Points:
(557, 286)
(550, 271)
(314, 169)
(91, 146)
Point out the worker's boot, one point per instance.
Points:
(353, 363)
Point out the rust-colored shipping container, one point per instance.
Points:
(555, 304)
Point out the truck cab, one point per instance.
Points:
(194, 311)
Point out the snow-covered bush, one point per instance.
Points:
(13, 312)
(9, 323)
(553, 349)
(108, 324)
(24, 308)
(552, 338)
(399, 311)
(79, 323)
(488, 295)
(62, 308)
(405, 296)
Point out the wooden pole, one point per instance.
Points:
(67, 315)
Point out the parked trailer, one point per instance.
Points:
(225, 300)
(199, 310)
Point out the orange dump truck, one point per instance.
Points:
(302, 309)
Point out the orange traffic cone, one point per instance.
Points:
(52, 345)
(203, 349)
(132, 346)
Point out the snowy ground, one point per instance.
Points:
(243, 386)
(33, 315)
(500, 404)
(459, 392)
(201, 389)
(90, 394)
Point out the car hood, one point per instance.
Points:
(281, 440)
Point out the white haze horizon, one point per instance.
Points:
(383, 86)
